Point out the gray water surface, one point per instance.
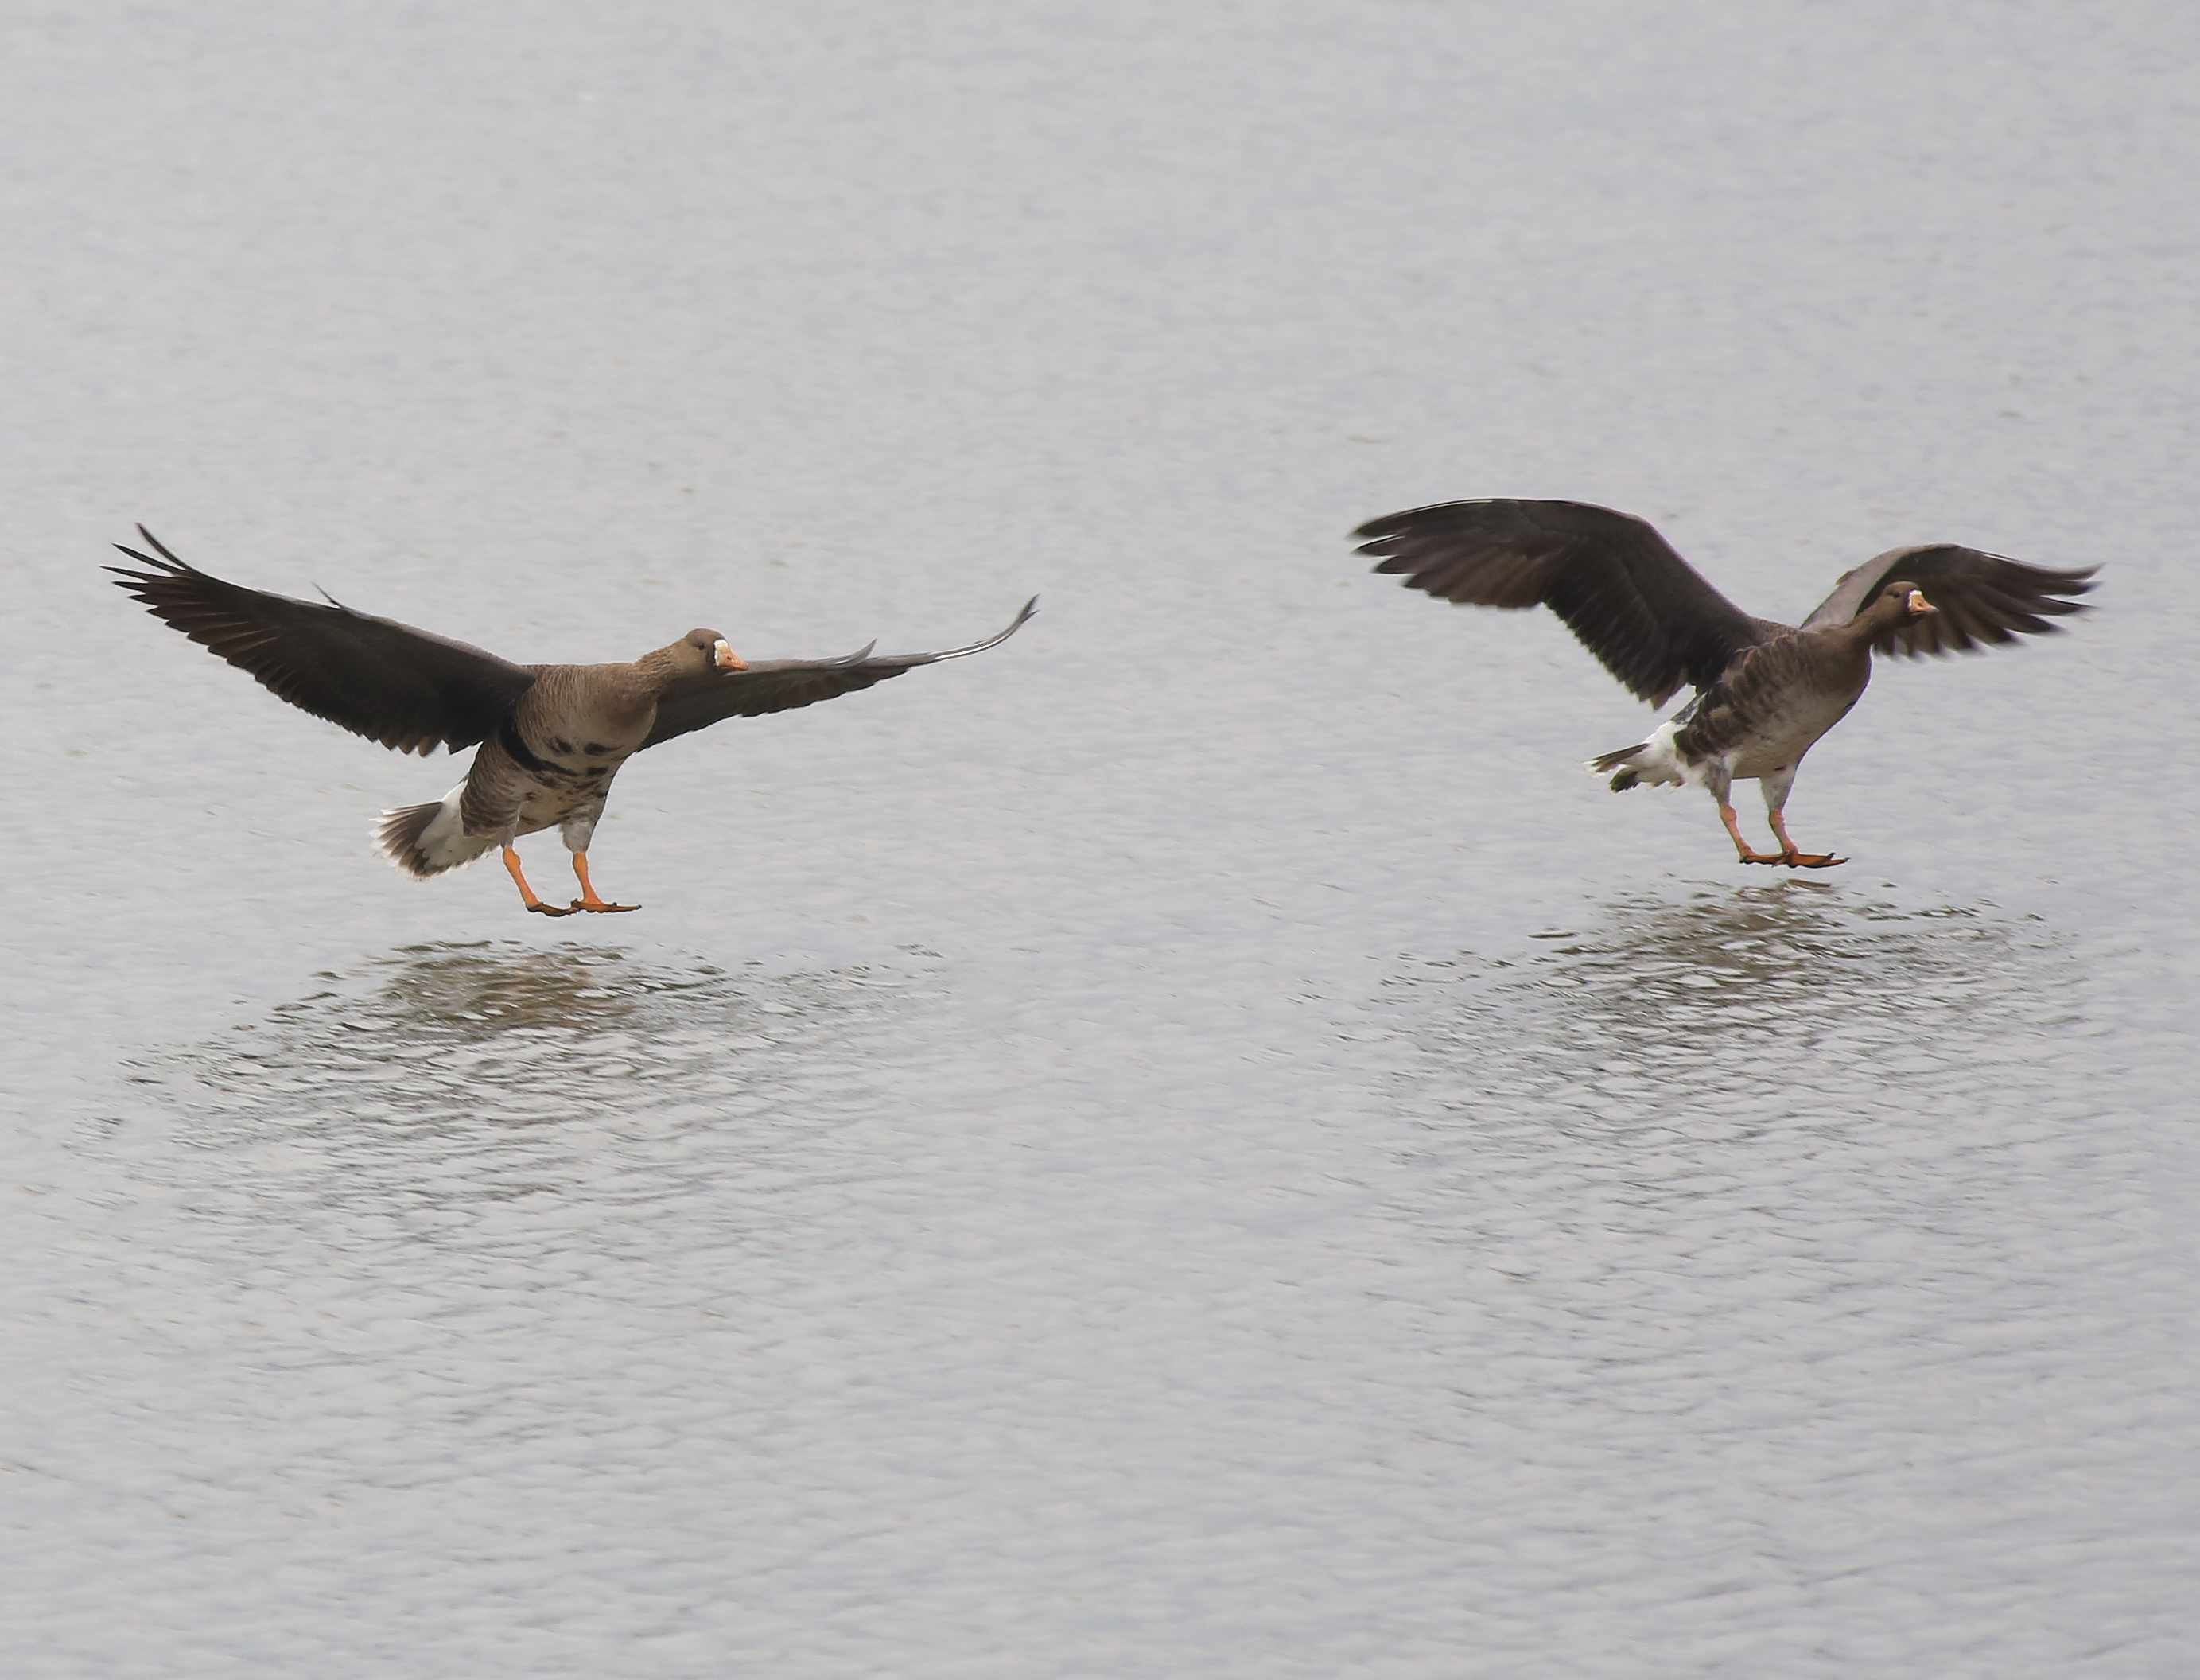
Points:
(1199, 1143)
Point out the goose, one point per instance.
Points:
(1764, 692)
(550, 738)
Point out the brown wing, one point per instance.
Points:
(782, 685)
(403, 687)
(1648, 615)
(1983, 597)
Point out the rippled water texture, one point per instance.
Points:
(1199, 1143)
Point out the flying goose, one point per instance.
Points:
(1765, 691)
(551, 737)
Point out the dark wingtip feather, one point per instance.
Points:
(160, 548)
(161, 568)
(1429, 516)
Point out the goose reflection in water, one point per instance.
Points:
(554, 1116)
(487, 990)
(438, 1034)
(1644, 1007)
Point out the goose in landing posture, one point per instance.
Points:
(1765, 692)
(551, 737)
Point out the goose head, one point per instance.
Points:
(704, 651)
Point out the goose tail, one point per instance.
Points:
(425, 840)
(1623, 760)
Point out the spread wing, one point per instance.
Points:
(1983, 597)
(403, 687)
(782, 685)
(1649, 615)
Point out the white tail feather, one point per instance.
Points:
(426, 840)
(1660, 764)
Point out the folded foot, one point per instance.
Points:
(538, 908)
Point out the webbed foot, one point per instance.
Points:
(1808, 860)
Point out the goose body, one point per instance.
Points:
(1765, 692)
(549, 739)
(551, 769)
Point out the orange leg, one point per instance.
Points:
(1740, 845)
(1799, 860)
(526, 893)
(588, 900)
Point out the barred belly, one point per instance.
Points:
(563, 793)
